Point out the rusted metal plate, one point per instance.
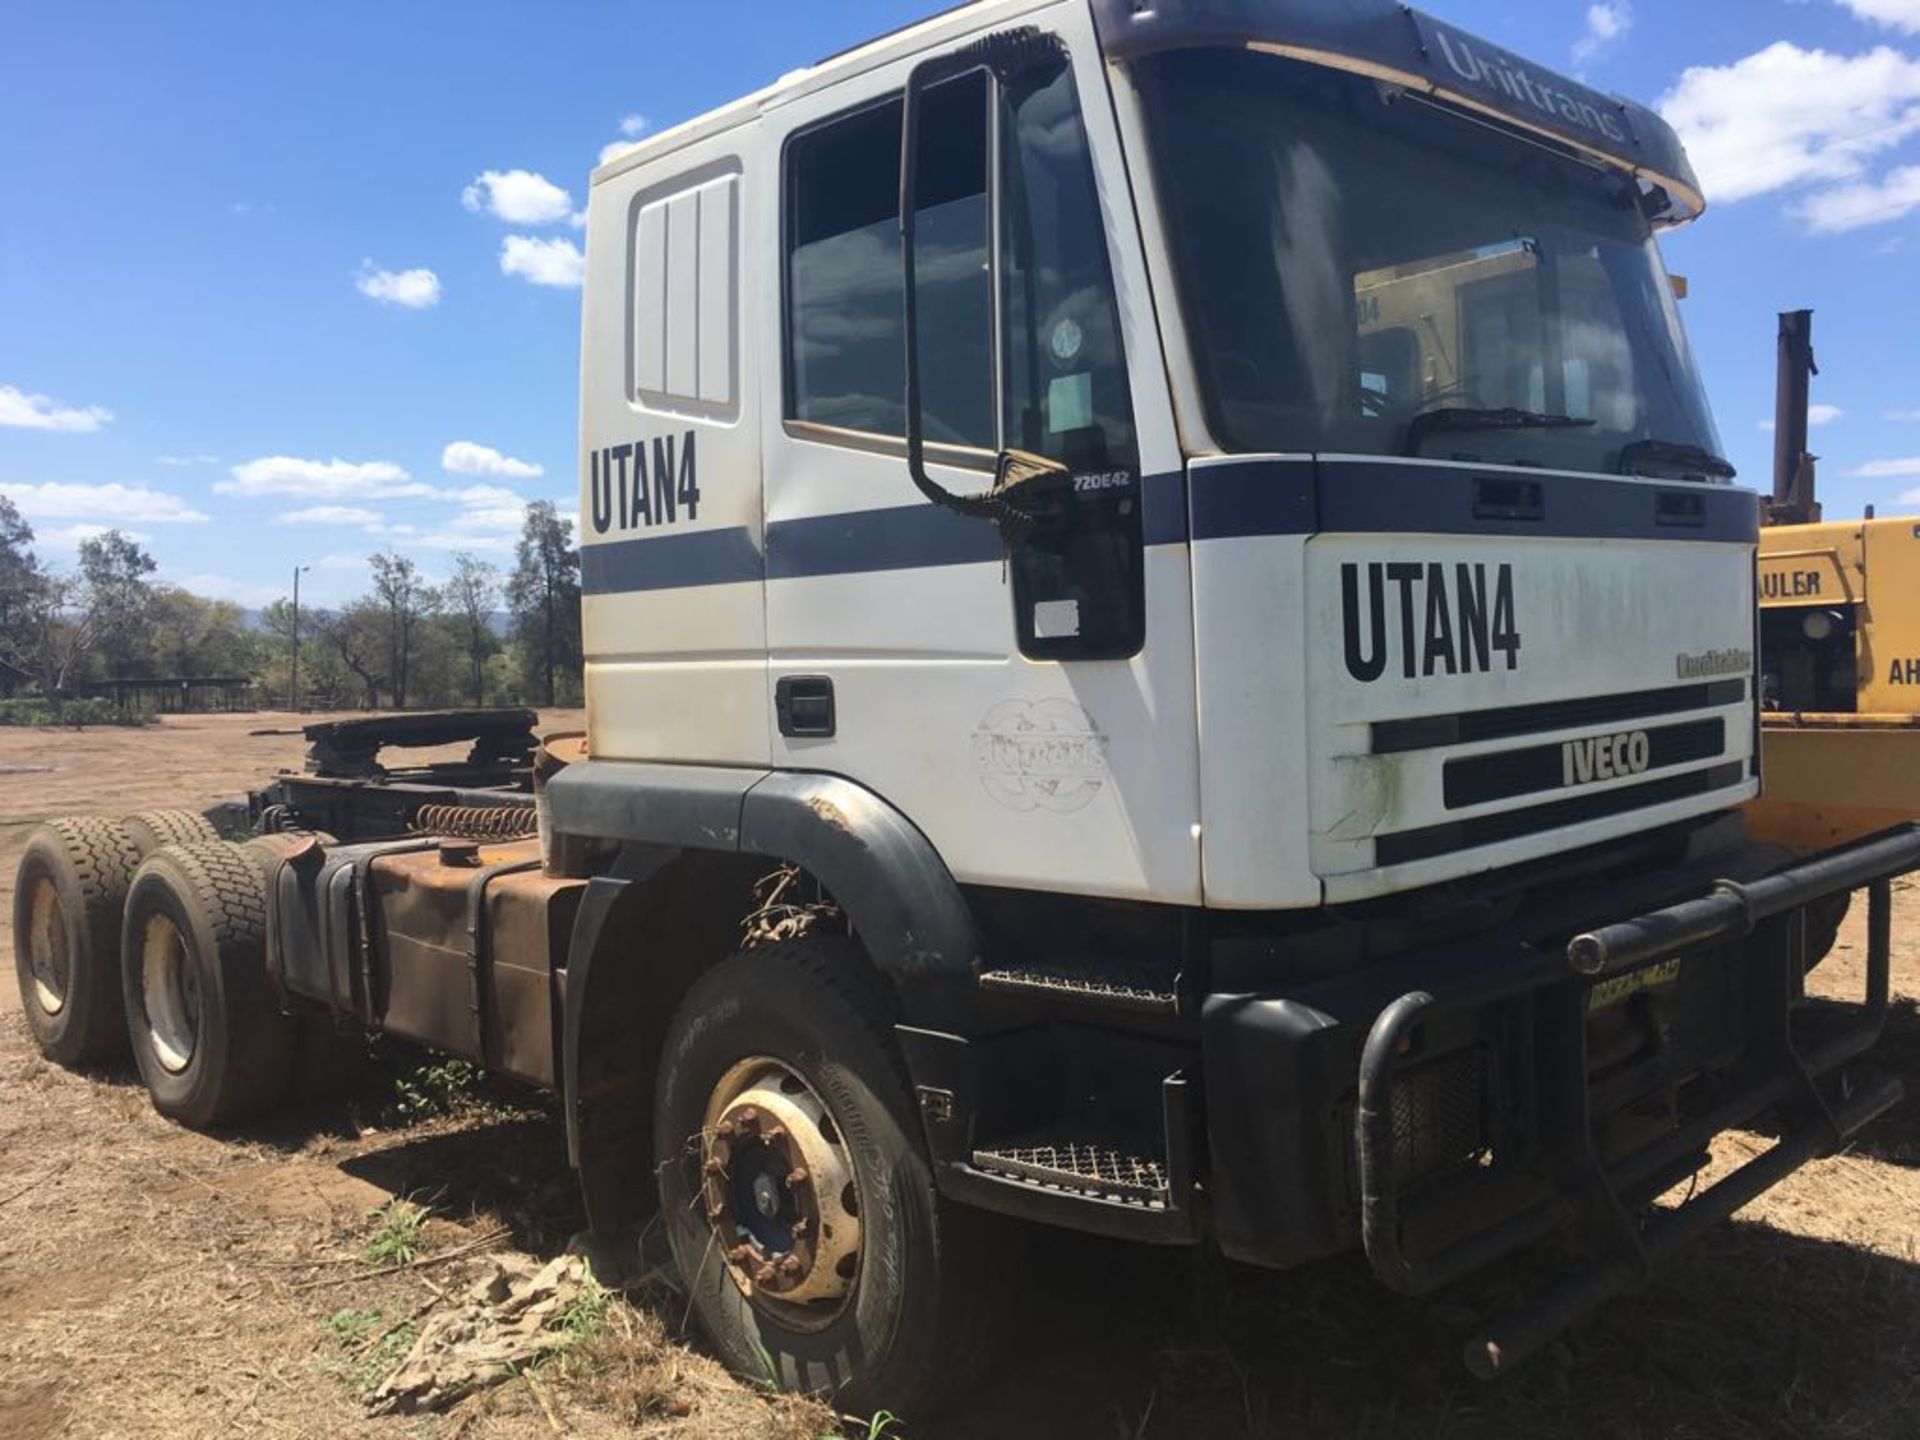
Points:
(470, 976)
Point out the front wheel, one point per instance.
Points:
(795, 1193)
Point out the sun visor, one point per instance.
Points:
(1403, 46)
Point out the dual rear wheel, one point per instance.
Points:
(149, 934)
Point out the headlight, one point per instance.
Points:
(1819, 624)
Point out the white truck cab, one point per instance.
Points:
(1385, 449)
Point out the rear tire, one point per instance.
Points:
(67, 898)
(151, 829)
(807, 1017)
(208, 1032)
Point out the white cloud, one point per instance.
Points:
(459, 540)
(68, 537)
(182, 460)
(1902, 417)
(413, 289)
(487, 495)
(520, 197)
(1866, 202)
(330, 515)
(38, 412)
(113, 503)
(321, 479)
(1607, 21)
(1888, 469)
(465, 457)
(493, 517)
(1816, 415)
(1899, 14)
(1791, 118)
(542, 262)
(632, 127)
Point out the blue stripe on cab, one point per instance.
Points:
(670, 562)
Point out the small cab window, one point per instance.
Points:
(845, 311)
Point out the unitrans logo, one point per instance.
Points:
(1494, 69)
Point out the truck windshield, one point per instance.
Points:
(1352, 256)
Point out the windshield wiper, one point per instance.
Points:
(1452, 417)
(1672, 452)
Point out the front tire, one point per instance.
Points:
(208, 1033)
(67, 896)
(782, 1119)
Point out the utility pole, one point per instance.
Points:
(293, 684)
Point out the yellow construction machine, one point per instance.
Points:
(1839, 645)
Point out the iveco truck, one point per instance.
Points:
(1169, 652)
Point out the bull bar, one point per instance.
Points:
(1589, 1194)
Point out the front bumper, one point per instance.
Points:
(1547, 1139)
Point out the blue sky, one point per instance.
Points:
(262, 265)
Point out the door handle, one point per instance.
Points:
(803, 705)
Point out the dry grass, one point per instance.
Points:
(166, 1284)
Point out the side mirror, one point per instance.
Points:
(1029, 491)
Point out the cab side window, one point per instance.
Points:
(845, 312)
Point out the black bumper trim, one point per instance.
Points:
(1597, 1194)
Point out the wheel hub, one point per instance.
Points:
(47, 958)
(172, 993)
(778, 1186)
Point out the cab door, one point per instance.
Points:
(1031, 709)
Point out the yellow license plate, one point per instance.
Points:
(1650, 977)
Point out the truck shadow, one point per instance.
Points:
(1754, 1333)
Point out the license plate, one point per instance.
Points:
(1649, 977)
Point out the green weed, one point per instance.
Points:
(397, 1240)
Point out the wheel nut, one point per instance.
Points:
(726, 1130)
(740, 1255)
(749, 1117)
(765, 1275)
(796, 1177)
(791, 1266)
(714, 1166)
(774, 1134)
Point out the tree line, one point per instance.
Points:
(404, 644)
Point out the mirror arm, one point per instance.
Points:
(1003, 52)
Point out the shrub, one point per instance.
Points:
(37, 710)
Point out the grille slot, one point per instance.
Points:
(1431, 840)
(1431, 732)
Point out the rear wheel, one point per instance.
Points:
(67, 896)
(799, 1204)
(208, 1033)
(151, 829)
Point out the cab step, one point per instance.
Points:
(1082, 1168)
(1138, 989)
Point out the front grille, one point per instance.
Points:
(1439, 1114)
(1432, 732)
(1480, 779)
(1455, 835)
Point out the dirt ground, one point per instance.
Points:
(167, 1284)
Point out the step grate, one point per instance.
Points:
(1124, 991)
(1098, 1170)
